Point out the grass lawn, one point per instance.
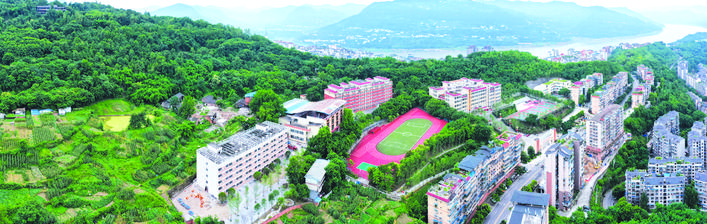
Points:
(117, 123)
(114, 107)
(404, 137)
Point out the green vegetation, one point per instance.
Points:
(403, 138)
(116, 123)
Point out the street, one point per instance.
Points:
(500, 210)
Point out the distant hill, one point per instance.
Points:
(632, 13)
(457, 23)
(277, 23)
(686, 15)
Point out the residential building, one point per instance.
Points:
(695, 99)
(43, 9)
(232, 162)
(529, 208)
(640, 95)
(643, 71)
(670, 121)
(179, 96)
(315, 178)
(305, 118)
(665, 141)
(560, 173)
(609, 92)
(701, 187)
(454, 199)
(468, 95)
(666, 144)
(697, 142)
(576, 91)
(553, 86)
(663, 189)
(581, 87)
(361, 95)
(676, 166)
(472, 49)
(603, 130)
(19, 111)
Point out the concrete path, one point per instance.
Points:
(609, 199)
(284, 212)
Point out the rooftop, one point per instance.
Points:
(530, 198)
(526, 215)
(219, 152)
(605, 112)
(327, 107)
(316, 172)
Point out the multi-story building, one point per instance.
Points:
(682, 69)
(553, 86)
(232, 162)
(666, 144)
(581, 87)
(670, 121)
(305, 118)
(362, 95)
(643, 71)
(640, 95)
(676, 166)
(697, 142)
(576, 91)
(560, 174)
(659, 188)
(695, 99)
(701, 187)
(603, 130)
(315, 177)
(665, 141)
(454, 199)
(529, 207)
(609, 92)
(468, 95)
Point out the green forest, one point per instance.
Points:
(114, 62)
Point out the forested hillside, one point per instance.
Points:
(93, 52)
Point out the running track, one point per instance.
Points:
(366, 150)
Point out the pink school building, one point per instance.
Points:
(362, 95)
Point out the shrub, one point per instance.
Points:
(126, 194)
(311, 209)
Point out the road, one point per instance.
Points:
(586, 192)
(628, 96)
(500, 210)
(609, 199)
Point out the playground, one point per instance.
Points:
(390, 142)
(526, 106)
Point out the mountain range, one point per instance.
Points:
(455, 23)
(419, 24)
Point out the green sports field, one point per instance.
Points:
(404, 137)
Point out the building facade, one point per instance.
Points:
(553, 86)
(232, 162)
(560, 175)
(665, 141)
(305, 118)
(468, 95)
(315, 176)
(454, 199)
(687, 167)
(604, 129)
(701, 187)
(697, 142)
(362, 95)
(640, 95)
(609, 92)
(659, 189)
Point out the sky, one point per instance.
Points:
(142, 4)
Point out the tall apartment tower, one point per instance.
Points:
(362, 95)
(603, 130)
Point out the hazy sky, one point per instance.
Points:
(141, 4)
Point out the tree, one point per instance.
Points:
(188, 107)
(523, 157)
(531, 152)
(33, 212)
(139, 120)
(222, 197)
(564, 92)
(257, 175)
(186, 129)
(267, 106)
(531, 119)
(692, 199)
(348, 124)
(231, 192)
(280, 201)
(174, 104)
(643, 202)
(207, 220)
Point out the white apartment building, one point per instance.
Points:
(468, 95)
(701, 187)
(676, 166)
(232, 162)
(659, 189)
(561, 171)
(603, 129)
(553, 86)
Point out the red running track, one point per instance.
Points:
(366, 150)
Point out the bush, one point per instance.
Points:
(311, 209)
(73, 202)
(126, 194)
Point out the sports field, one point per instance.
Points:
(404, 137)
(389, 143)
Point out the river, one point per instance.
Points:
(670, 33)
